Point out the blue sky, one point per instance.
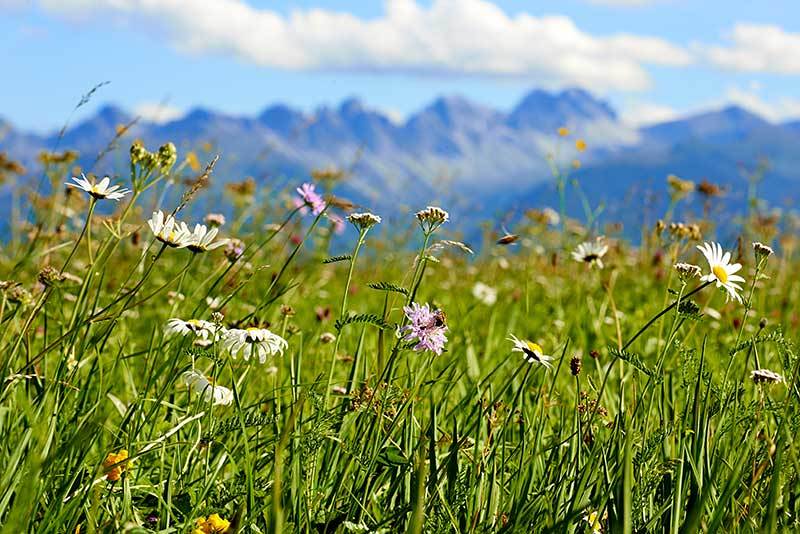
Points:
(654, 59)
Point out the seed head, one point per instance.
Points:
(431, 218)
(765, 376)
(234, 250)
(762, 251)
(575, 366)
(50, 276)
(363, 221)
(687, 271)
(167, 156)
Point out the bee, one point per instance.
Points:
(508, 238)
(439, 319)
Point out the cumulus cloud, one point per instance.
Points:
(464, 37)
(775, 110)
(646, 113)
(623, 3)
(158, 112)
(757, 48)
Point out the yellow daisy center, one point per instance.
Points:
(721, 274)
(534, 347)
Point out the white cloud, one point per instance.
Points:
(775, 110)
(623, 3)
(158, 112)
(466, 37)
(646, 113)
(757, 48)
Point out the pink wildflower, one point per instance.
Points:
(426, 326)
(311, 198)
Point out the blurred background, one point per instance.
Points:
(457, 102)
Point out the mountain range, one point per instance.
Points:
(481, 162)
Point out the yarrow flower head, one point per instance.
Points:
(591, 252)
(253, 342)
(214, 219)
(765, 376)
(204, 332)
(485, 294)
(531, 352)
(205, 386)
(201, 238)
(311, 198)
(99, 190)
(762, 251)
(115, 464)
(722, 270)
(212, 524)
(432, 218)
(426, 326)
(687, 271)
(363, 221)
(234, 249)
(169, 231)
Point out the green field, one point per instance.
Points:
(296, 394)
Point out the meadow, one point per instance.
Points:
(304, 365)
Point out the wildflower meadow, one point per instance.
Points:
(293, 362)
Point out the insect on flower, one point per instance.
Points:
(99, 190)
(427, 327)
(531, 352)
(722, 270)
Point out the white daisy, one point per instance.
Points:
(99, 190)
(485, 294)
(722, 270)
(201, 238)
(205, 332)
(591, 252)
(169, 231)
(531, 352)
(253, 341)
(206, 387)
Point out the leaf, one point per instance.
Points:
(334, 259)
(635, 361)
(386, 286)
(392, 456)
(369, 318)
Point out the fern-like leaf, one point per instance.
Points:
(369, 318)
(334, 259)
(386, 286)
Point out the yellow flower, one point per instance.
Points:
(115, 464)
(576, 164)
(580, 144)
(193, 162)
(212, 524)
(563, 131)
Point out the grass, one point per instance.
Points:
(648, 422)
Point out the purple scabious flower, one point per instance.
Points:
(426, 326)
(311, 198)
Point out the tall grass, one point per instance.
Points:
(649, 420)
